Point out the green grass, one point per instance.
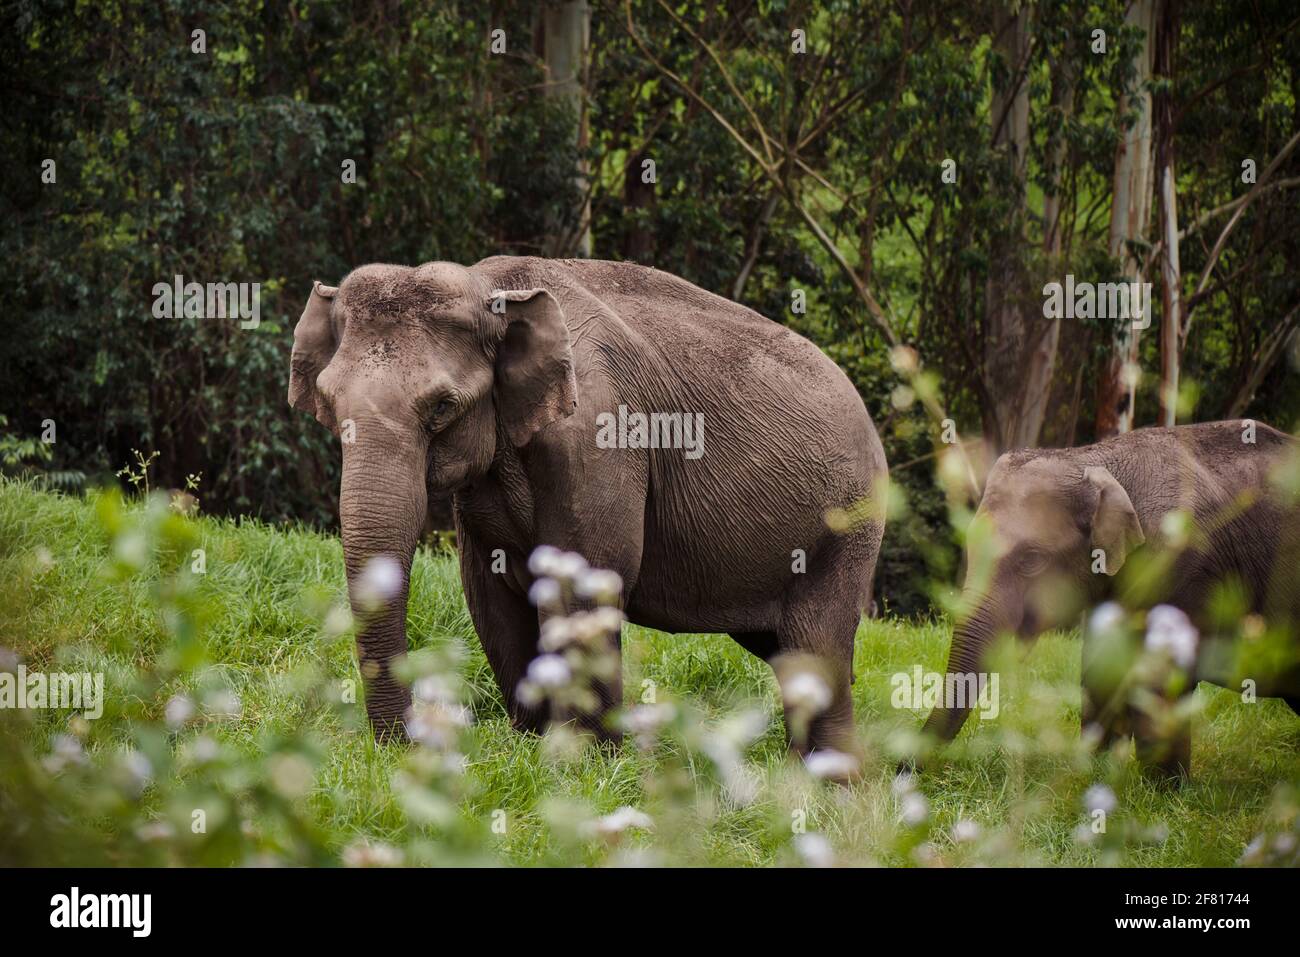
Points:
(258, 611)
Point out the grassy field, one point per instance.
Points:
(291, 774)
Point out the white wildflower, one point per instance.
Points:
(965, 831)
(372, 855)
(806, 691)
(379, 583)
(1100, 798)
(624, 819)
(914, 809)
(549, 671)
(814, 850)
(178, 711)
(831, 765)
(545, 593)
(1106, 617)
(1169, 629)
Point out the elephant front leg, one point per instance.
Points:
(508, 631)
(1164, 754)
(595, 687)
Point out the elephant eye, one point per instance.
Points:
(1031, 561)
(437, 413)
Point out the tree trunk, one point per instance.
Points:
(1170, 271)
(1129, 216)
(638, 195)
(1069, 367)
(1019, 342)
(566, 36)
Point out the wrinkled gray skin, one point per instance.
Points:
(1050, 508)
(448, 396)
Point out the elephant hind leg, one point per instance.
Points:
(816, 634)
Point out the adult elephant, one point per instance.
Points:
(1055, 526)
(494, 382)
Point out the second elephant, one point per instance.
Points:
(1057, 524)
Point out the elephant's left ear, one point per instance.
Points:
(1115, 526)
(535, 383)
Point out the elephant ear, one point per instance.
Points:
(535, 383)
(313, 347)
(1115, 526)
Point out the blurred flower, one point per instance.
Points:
(543, 560)
(291, 774)
(44, 559)
(814, 850)
(903, 783)
(556, 635)
(645, 720)
(379, 583)
(435, 688)
(155, 832)
(549, 671)
(545, 593)
(436, 724)
(9, 660)
(372, 855)
(624, 819)
(1176, 527)
(223, 703)
(1107, 616)
(131, 549)
(65, 750)
(741, 785)
(807, 692)
(965, 831)
(568, 566)
(914, 809)
(905, 360)
(205, 749)
(1099, 797)
(338, 620)
(178, 711)
(547, 561)
(1254, 852)
(608, 620)
(600, 585)
(831, 765)
(1169, 629)
(138, 771)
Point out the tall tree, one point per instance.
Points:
(1166, 44)
(1129, 216)
(566, 37)
(1019, 342)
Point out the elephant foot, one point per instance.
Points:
(389, 730)
(1166, 761)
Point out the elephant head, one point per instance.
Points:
(1046, 525)
(423, 373)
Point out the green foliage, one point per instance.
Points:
(228, 737)
(226, 166)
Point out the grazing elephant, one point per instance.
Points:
(1061, 522)
(497, 382)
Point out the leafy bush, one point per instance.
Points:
(230, 734)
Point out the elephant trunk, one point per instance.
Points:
(382, 504)
(970, 642)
